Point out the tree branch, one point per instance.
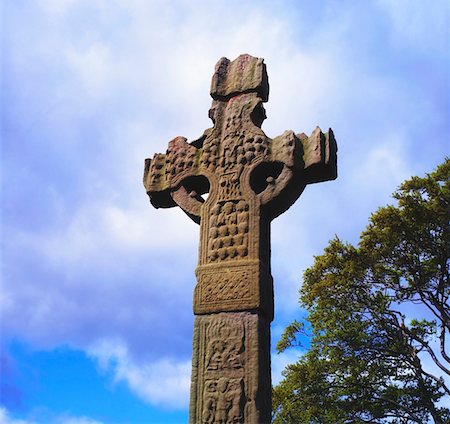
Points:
(442, 340)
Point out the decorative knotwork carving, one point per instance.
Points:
(226, 286)
(230, 286)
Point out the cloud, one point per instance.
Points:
(56, 7)
(76, 420)
(165, 382)
(409, 22)
(93, 67)
(121, 88)
(93, 88)
(112, 98)
(96, 228)
(281, 360)
(5, 418)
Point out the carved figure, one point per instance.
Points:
(232, 358)
(210, 400)
(215, 353)
(235, 395)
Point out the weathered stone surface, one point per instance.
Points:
(231, 369)
(251, 179)
(246, 73)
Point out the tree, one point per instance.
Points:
(379, 315)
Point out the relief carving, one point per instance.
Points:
(228, 231)
(210, 156)
(180, 156)
(224, 354)
(229, 186)
(223, 401)
(225, 345)
(223, 395)
(218, 287)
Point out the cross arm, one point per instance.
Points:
(295, 160)
(173, 179)
(319, 156)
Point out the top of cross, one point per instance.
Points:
(235, 156)
(244, 75)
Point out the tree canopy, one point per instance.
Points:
(378, 319)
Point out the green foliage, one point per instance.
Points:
(377, 312)
(289, 336)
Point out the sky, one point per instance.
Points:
(96, 292)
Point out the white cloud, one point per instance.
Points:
(165, 68)
(94, 229)
(57, 8)
(5, 418)
(111, 83)
(165, 382)
(415, 23)
(158, 64)
(384, 167)
(94, 67)
(76, 420)
(281, 360)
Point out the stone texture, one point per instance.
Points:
(251, 179)
(231, 369)
(246, 73)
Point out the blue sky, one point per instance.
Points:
(96, 303)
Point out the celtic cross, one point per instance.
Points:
(250, 179)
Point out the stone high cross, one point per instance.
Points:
(251, 179)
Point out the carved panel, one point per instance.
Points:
(228, 231)
(235, 386)
(221, 286)
(223, 401)
(156, 169)
(284, 148)
(180, 157)
(229, 187)
(223, 396)
(227, 288)
(240, 148)
(210, 156)
(225, 345)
